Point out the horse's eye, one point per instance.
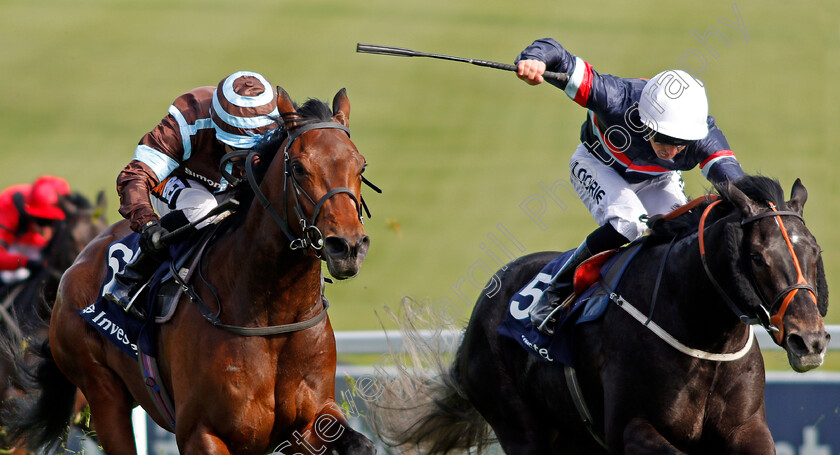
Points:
(298, 168)
(363, 169)
(757, 259)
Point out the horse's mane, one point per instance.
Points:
(312, 111)
(758, 188)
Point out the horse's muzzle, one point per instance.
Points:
(344, 257)
(806, 349)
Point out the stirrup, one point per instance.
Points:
(133, 310)
(547, 325)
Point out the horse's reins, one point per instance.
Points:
(773, 322)
(311, 236)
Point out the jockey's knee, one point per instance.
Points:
(629, 228)
(196, 213)
(195, 203)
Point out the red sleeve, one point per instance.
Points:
(11, 261)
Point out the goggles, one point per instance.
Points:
(660, 138)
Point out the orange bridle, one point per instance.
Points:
(790, 292)
(775, 324)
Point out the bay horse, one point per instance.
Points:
(250, 393)
(640, 394)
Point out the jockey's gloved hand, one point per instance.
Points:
(151, 237)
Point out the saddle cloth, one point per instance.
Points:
(124, 331)
(589, 305)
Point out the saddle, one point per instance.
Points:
(589, 272)
(168, 284)
(593, 282)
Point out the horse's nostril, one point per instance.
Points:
(362, 245)
(820, 343)
(336, 247)
(796, 344)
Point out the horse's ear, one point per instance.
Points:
(798, 196)
(99, 210)
(745, 205)
(284, 101)
(341, 108)
(101, 203)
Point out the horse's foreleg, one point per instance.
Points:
(110, 415)
(641, 438)
(331, 430)
(750, 438)
(203, 443)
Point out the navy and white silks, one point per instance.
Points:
(615, 170)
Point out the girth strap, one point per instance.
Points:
(213, 318)
(580, 404)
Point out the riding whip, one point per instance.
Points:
(562, 78)
(221, 211)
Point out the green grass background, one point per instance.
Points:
(457, 149)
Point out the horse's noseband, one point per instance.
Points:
(775, 309)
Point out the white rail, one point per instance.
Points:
(379, 342)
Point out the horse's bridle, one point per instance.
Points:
(772, 321)
(311, 236)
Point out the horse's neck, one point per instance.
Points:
(255, 271)
(688, 304)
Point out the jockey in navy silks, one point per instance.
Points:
(637, 138)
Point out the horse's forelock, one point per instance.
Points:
(315, 110)
(312, 111)
(79, 201)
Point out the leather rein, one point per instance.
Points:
(310, 237)
(772, 321)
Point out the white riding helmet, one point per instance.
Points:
(674, 104)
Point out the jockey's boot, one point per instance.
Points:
(129, 283)
(542, 314)
(602, 239)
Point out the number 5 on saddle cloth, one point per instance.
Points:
(594, 281)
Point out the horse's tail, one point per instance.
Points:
(41, 416)
(421, 404)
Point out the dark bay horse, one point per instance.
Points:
(28, 301)
(233, 393)
(27, 304)
(643, 395)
